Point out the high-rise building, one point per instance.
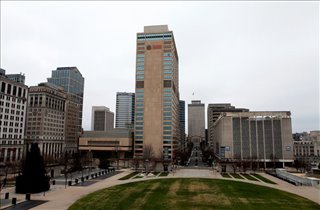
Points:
(196, 122)
(125, 110)
(213, 113)
(102, 119)
(46, 119)
(157, 93)
(264, 137)
(182, 120)
(13, 105)
(72, 82)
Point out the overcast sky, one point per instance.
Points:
(258, 55)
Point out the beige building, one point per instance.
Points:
(46, 117)
(259, 136)
(13, 106)
(308, 149)
(102, 119)
(196, 121)
(103, 143)
(157, 93)
(213, 113)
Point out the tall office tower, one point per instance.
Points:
(46, 120)
(157, 93)
(182, 120)
(102, 119)
(72, 82)
(125, 110)
(196, 122)
(13, 105)
(213, 113)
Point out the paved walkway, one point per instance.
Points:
(60, 198)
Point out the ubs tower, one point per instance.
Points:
(157, 94)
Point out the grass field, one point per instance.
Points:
(129, 176)
(191, 193)
(263, 178)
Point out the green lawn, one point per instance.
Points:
(237, 176)
(192, 193)
(225, 175)
(129, 176)
(249, 177)
(164, 173)
(263, 179)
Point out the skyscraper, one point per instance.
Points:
(125, 110)
(157, 93)
(182, 119)
(72, 82)
(196, 121)
(102, 119)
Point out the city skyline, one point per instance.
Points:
(242, 54)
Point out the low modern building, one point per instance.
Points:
(258, 136)
(114, 143)
(213, 113)
(13, 106)
(102, 118)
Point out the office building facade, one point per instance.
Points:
(182, 121)
(102, 119)
(259, 136)
(46, 117)
(156, 93)
(72, 82)
(125, 110)
(213, 113)
(196, 121)
(13, 106)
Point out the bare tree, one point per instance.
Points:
(148, 155)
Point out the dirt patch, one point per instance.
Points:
(244, 200)
(197, 187)
(140, 202)
(211, 199)
(174, 188)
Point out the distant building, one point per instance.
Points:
(157, 93)
(213, 113)
(102, 119)
(306, 147)
(114, 143)
(13, 108)
(260, 136)
(196, 121)
(72, 82)
(125, 110)
(182, 121)
(46, 118)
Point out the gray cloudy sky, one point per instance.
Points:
(257, 55)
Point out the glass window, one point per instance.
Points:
(167, 77)
(139, 95)
(140, 77)
(167, 72)
(167, 54)
(139, 118)
(139, 132)
(139, 127)
(139, 91)
(166, 113)
(139, 114)
(140, 72)
(140, 59)
(167, 142)
(167, 123)
(167, 90)
(167, 63)
(167, 67)
(139, 123)
(140, 64)
(138, 137)
(167, 99)
(167, 132)
(167, 137)
(140, 56)
(167, 118)
(139, 109)
(140, 68)
(167, 59)
(167, 103)
(139, 105)
(167, 94)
